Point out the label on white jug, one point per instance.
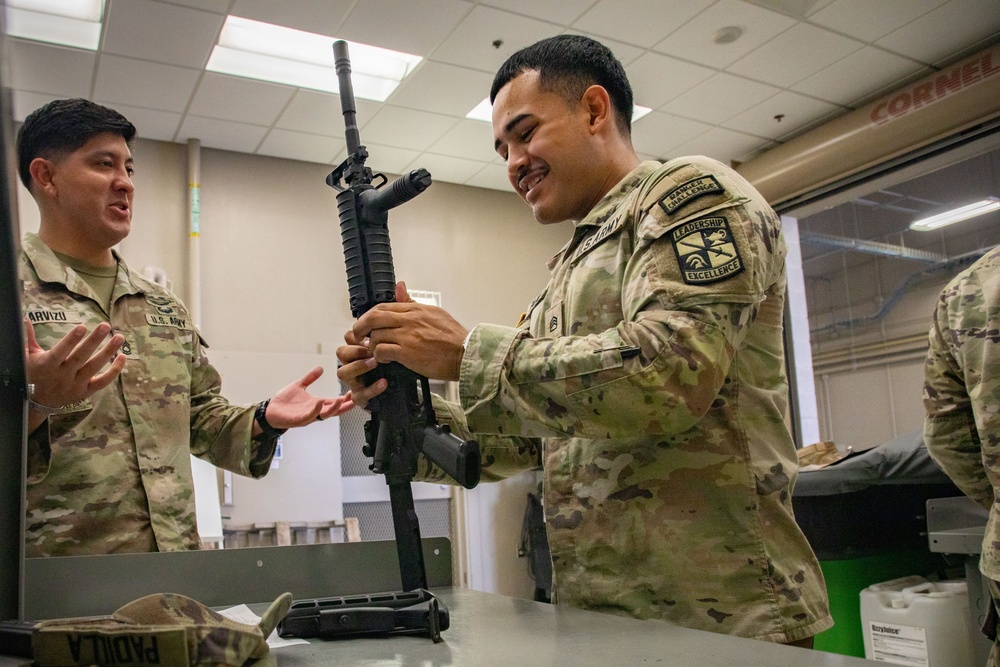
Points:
(898, 644)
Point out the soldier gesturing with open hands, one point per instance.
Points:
(124, 392)
(72, 370)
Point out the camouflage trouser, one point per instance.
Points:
(990, 625)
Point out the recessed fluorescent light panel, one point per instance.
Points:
(75, 23)
(268, 52)
(956, 215)
(484, 111)
(638, 112)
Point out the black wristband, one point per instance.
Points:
(260, 416)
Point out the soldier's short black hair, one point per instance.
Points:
(569, 64)
(63, 126)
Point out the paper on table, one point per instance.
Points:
(242, 614)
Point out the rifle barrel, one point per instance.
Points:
(342, 62)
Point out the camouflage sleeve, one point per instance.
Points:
(950, 432)
(220, 431)
(501, 457)
(655, 366)
(657, 373)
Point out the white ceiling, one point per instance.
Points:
(804, 61)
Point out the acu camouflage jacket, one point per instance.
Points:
(962, 392)
(112, 474)
(648, 379)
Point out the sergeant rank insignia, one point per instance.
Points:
(706, 251)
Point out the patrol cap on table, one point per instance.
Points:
(164, 629)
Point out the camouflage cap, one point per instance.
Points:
(163, 629)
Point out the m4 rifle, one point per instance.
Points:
(402, 425)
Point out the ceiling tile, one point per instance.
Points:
(136, 28)
(442, 88)
(323, 18)
(217, 6)
(796, 111)
(721, 144)
(625, 53)
(795, 54)
(216, 92)
(854, 77)
(563, 12)
(471, 139)
(817, 50)
(694, 40)
(300, 146)
(386, 159)
(491, 176)
(446, 169)
(471, 43)
(149, 123)
(797, 9)
(657, 79)
(24, 102)
(43, 68)
(314, 112)
(639, 22)
(946, 30)
(407, 128)
(719, 98)
(221, 134)
(867, 20)
(659, 133)
(426, 22)
(144, 84)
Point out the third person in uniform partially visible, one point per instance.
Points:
(962, 401)
(647, 377)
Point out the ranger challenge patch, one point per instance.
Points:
(706, 251)
(687, 191)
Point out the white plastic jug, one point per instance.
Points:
(916, 622)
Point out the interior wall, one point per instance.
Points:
(869, 370)
(867, 407)
(494, 516)
(304, 485)
(273, 266)
(275, 301)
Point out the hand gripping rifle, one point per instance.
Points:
(402, 424)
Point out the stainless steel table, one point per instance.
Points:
(488, 629)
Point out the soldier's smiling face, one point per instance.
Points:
(547, 142)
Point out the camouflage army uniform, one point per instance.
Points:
(651, 369)
(112, 473)
(962, 393)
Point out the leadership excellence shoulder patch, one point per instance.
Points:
(706, 251)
